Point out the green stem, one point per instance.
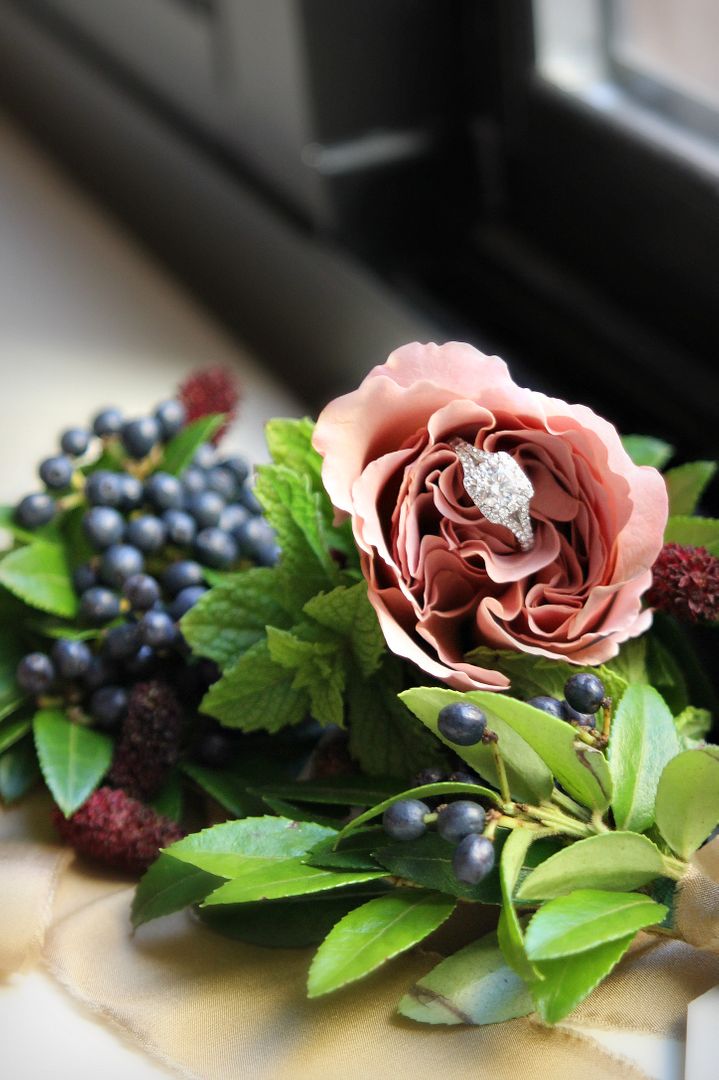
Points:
(559, 822)
(570, 805)
(501, 774)
(674, 868)
(597, 822)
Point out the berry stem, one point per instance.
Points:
(674, 868)
(597, 822)
(554, 819)
(501, 774)
(429, 819)
(562, 800)
(607, 711)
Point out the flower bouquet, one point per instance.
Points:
(435, 660)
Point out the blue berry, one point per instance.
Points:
(132, 492)
(171, 416)
(157, 629)
(460, 819)
(185, 599)
(164, 491)
(223, 482)
(84, 577)
(473, 859)
(257, 540)
(139, 436)
(108, 706)
(404, 820)
(35, 510)
(181, 527)
(181, 575)
(56, 472)
(205, 456)
(548, 705)
(464, 776)
(462, 723)
(584, 692)
(249, 499)
(123, 641)
(142, 662)
(573, 716)
(103, 526)
(238, 467)
(104, 488)
(120, 562)
(234, 517)
(148, 533)
(75, 441)
(71, 658)
(99, 673)
(142, 591)
(216, 548)
(35, 673)
(206, 508)
(108, 422)
(194, 480)
(98, 605)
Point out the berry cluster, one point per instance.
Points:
(584, 695)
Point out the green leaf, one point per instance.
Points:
(686, 484)
(474, 986)
(666, 673)
(529, 777)
(11, 696)
(12, 730)
(687, 807)
(300, 813)
(619, 861)
(334, 790)
(586, 918)
(693, 723)
(169, 800)
(233, 615)
(233, 847)
(180, 451)
(226, 788)
(18, 771)
(73, 759)
(374, 933)
(290, 444)
(39, 575)
(693, 532)
(646, 450)
(256, 693)
(534, 675)
(289, 877)
(353, 853)
(428, 862)
(568, 981)
(347, 612)
(317, 669)
(509, 930)
(169, 886)
(643, 739)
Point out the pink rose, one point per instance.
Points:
(444, 580)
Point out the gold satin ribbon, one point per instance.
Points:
(215, 1009)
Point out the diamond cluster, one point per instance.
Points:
(498, 487)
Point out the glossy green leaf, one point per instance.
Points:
(474, 986)
(687, 807)
(169, 799)
(181, 449)
(12, 730)
(529, 777)
(566, 982)
(643, 739)
(646, 450)
(232, 847)
(586, 918)
(169, 886)
(335, 790)
(276, 878)
(352, 853)
(618, 861)
(11, 696)
(509, 931)
(686, 485)
(256, 694)
(18, 771)
(226, 788)
(428, 862)
(374, 933)
(300, 813)
(693, 532)
(40, 576)
(73, 759)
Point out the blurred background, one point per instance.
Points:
(334, 178)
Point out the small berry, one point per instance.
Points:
(462, 776)
(181, 527)
(249, 499)
(460, 819)
(142, 663)
(164, 491)
(584, 692)
(99, 673)
(206, 508)
(56, 472)
(462, 723)
(75, 441)
(123, 641)
(98, 605)
(473, 859)
(432, 775)
(71, 658)
(103, 526)
(573, 716)
(685, 583)
(216, 548)
(222, 481)
(35, 673)
(548, 705)
(132, 493)
(238, 467)
(257, 540)
(205, 457)
(234, 517)
(171, 416)
(104, 488)
(194, 480)
(142, 591)
(108, 705)
(35, 510)
(150, 741)
(404, 820)
(139, 436)
(84, 577)
(186, 599)
(120, 562)
(148, 533)
(213, 390)
(108, 422)
(157, 629)
(181, 575)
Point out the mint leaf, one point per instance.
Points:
(73, 759)
(618, 861)
(233, 847)
(509, 930)
(233, 615)
(643, 739)
(317, 669)
(586, 918)
(693, 532)
(687, 807)
(372, 934)
(180, 450)
(274, 880)
(474, 986)
(347, 612)
(686, 484)
(646, 450)
(290, 444)
(693, 723)
(531, 676)
(39, 575)
(428, 862)
(18, 771)
(12, 731)
(385, 739)
(566, 982)
(256, 693)
(169, 886)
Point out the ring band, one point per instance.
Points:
(499, 488)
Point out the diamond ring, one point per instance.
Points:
(499, 488)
